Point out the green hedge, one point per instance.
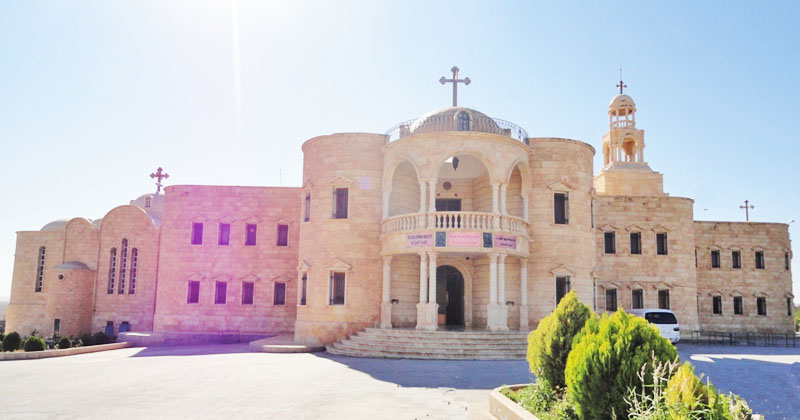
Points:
(12, 341)
(606, 359)
(34, 343)
(64, 343)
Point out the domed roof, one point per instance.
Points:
(59, 224)
(622, 102)
(447, 119)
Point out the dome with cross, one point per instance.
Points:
(455, 118)
(622, 103)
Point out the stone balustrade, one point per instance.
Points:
(455, 220)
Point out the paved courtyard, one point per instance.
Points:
(227, 381)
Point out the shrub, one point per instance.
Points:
(34, 343)
(606, 360)
(86, 339)
(64, 343)
(2, 336)
(12, 341)
(101, 338)
(550, 344)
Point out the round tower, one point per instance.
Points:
(340, 266)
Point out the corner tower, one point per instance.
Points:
(625, 171)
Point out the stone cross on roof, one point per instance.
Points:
(455, 81)
(160, 175)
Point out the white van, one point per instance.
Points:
(664, 319)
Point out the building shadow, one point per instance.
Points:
(197, 350)
(457, 374)
(767, 377)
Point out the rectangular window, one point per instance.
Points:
(303, 286)
(561, 208)
(661, 243)
(736, 259)
(224, 234)
(637, 299)
(789, 306)
(716, 303)
(247, 292)
(56, 326)
(112, 270)
(663, 299)
(197, 233)
(562, 288)
(134, 270)
(760, 260)
(280, 294)
(611, 300)
(125, 326)
(715, 259)
(340, 198)
(221, 293)
(636, 243)
(761, 305)
(40, 272)
(250, 234)
(786, 260)
(337, 289)
(283, 235)
(610, 242)
(307, 208)
(194, 292)
(738, 309)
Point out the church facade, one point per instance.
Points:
(453, 220)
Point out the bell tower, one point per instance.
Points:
(625, 171)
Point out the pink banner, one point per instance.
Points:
(419, 240)
(507, 242)
(464, 239)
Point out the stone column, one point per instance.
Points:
(497, 313)
(523, 293)
(503, 204)
(386, 301)
(501, 279)
(386, 196)
(495, 205)
(427, 313)
(525, 208)
(431, 203)
(432, 277)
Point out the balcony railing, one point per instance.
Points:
(483, 124)
(455, 220)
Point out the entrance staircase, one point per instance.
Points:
(413, 344)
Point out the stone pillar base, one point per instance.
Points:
(427, 316)
(523, 318)
(386, 315)
(497, 319)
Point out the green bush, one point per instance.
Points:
(550, 344)
(2, 336)
(606, 360)
(101, 338)
(64, 343)
(12, 341)
(86, 339)
(34, 343)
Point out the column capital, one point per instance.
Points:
(503, 186)
(422, 254)
(523, 260)
(387, 259)
(502, 256)
(432, 254)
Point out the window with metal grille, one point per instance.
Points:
(251, 231)
(738, 308)
(307, 212)
(134, 270)
(761, 306)
(123, 266)
(283, 235)
(220, 293)
(562, 287)
(247, 292)
(736, 259)
(40, 270)
(716, 303)
(279, 298)
(193, 295)
(637, 299)
(224, 237)
(112, 270)
(610, 242)
(715, 259)
(337, 288)
(663, 299)
(611, 300)
(661, 243)
(760, 260)
(561, 208)
(197, 233)
(463, 121)
(636, 243)
(303, 285)
(340, 203)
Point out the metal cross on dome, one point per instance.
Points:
(621, 85)
(160, 175)
(455, 81)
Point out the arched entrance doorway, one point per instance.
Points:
(450, 295)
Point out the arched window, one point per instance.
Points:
(147, 202)
(112, 270)
(40, 270)
(134, 269)
(463, 121)
(123, 266)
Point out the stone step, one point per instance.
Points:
(426, 355)
(389, 343)
(354, 345)
(438, 335)
(466, 340)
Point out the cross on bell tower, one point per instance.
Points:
(455, 81)
(621, 85)
(160, 175)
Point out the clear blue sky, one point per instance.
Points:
(95, 95)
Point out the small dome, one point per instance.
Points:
(622, 103)
(59, 224)
(455, 119)
(97, 223)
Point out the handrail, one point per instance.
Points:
(455, 220)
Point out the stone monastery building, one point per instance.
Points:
(454, 219)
